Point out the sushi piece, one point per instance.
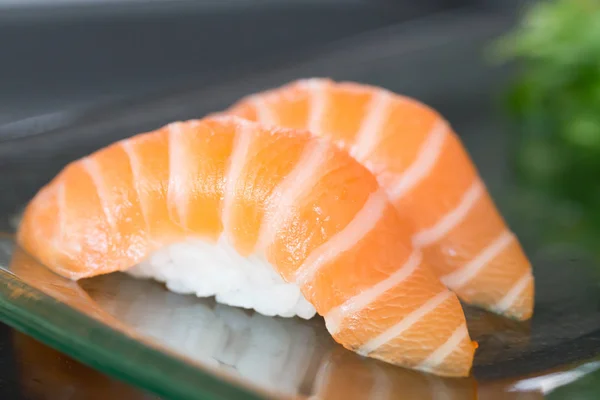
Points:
(428, 176)
(184, 203)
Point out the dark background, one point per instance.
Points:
(66, 56)
(56, 56)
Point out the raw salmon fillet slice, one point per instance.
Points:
(318, 216)
(427, 174)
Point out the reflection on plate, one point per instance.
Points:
(274, 353)
(288, 357)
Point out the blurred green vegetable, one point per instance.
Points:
(554, 101)
(555, 97)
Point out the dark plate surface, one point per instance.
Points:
(444, 67)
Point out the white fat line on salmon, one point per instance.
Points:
(237, 161)
(318, 106)
(452, 218)
(91, 167)
(134, 163)
(513, 294)
(177, 192)
(457, 279)
(369, 134)
(405, 323)
(264, 113)
(424, 163)
(336, 315)
(307, 83)
(360, 225)
(441, 353)
(305, 174)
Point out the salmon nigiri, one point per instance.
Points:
(271, 219)
(428, 176)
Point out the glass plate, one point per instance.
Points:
(189, 348)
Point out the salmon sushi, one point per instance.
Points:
(272, 219)
(428, 176)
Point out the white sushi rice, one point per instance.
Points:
(205, 269)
